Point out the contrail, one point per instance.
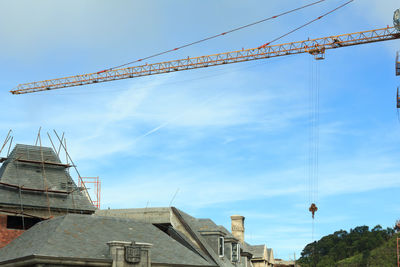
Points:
(164, 124)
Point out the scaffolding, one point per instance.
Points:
(43, 162)
(95, 181)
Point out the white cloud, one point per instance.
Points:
(112, 128)
(106, 125)
(194, 190)
(378, 11)
(336, 178)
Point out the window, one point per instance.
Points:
(221, 246)
(20, 222)
(235, 252)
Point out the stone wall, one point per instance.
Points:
(130, 254)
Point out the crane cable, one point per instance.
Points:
(306, 24)
(313, 138)
(313, 145)
(237, 29)
(397, 105)
(214, 36)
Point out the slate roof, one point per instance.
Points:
(156, 215)
(86, 236)
(209, 225)
(198, 225)
(163, 215)
(16, 171)
(257, 250)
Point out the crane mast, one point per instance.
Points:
(316, 47)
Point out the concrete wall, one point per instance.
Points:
(259, 263)
(150, 215)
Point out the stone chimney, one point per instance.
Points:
(127, 254)
(238, 227)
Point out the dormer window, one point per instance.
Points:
(235, 252)
(221, 246)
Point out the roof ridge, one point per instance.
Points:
(209, 251)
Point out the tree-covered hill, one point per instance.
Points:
(357, 248)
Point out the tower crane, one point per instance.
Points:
(316, 47)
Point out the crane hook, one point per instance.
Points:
(313, 208)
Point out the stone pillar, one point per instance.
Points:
(145, 255)
(128, 254)
(117, 252)
(238, 227)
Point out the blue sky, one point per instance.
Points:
(230, 139)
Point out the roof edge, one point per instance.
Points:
(77, 211)
(37, 259)
(179, 265)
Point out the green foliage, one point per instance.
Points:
(354, 261)
(385, 255)
(359, 247)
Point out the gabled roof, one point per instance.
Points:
(192, 225)
(195, 226)
(86, 237)
(199, 225)
(24, 168)
(270, 253)
(258, 251)
(261, 252)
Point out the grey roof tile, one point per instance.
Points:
(154, 215)
(257, 251)
(85, 236)
(37, 176)
(196, 225)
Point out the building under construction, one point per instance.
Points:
(35, 185)
(47, 220)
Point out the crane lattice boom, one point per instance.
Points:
(315, 47)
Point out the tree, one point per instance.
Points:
(340, 245)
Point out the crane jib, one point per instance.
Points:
(315, 47)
